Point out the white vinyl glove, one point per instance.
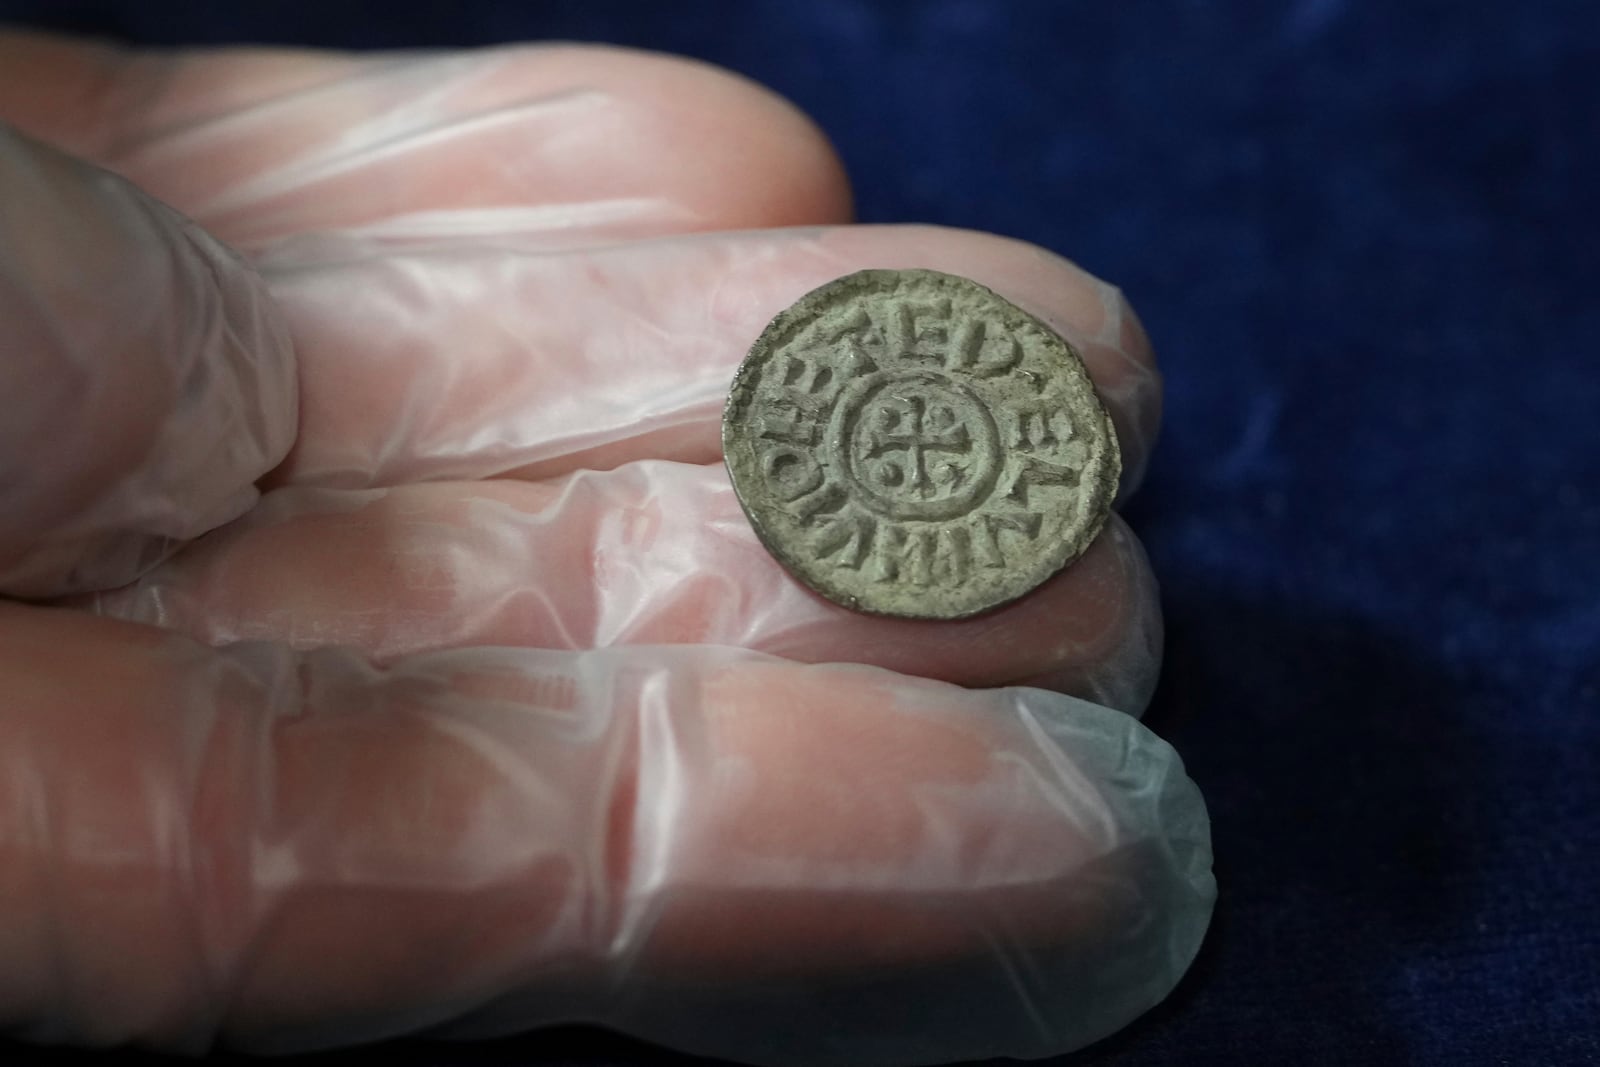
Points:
(385, 652)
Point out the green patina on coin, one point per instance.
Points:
(909, 443)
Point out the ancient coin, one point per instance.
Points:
(909, 443)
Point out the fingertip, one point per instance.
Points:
(733, 153)
(1118, 664)
(1162, 826)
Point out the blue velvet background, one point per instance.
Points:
(1365, 237)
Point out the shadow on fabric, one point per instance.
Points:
(1346, 850)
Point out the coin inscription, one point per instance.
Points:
(909, 443)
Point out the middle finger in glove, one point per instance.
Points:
(465, 360)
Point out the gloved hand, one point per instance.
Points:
(385, 652)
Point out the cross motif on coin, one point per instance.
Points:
(911, 444)
(909, 424)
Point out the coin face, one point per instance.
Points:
(909, 443)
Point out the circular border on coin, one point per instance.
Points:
(909, 443)
(980, 433)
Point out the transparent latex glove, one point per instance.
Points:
(384, 652)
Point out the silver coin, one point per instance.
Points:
(909, 443)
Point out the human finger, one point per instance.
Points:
(149, 381)
(726, 853)
(649, 553)
(555, 143)
(468, 360)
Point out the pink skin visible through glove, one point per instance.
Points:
(472, 721)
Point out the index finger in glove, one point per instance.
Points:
(734, 855)
(560, 144)
(148, 381)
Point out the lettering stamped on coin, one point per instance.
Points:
(909, 443)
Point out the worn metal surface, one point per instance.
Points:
(909, 443)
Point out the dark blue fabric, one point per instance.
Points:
(1366, 239)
